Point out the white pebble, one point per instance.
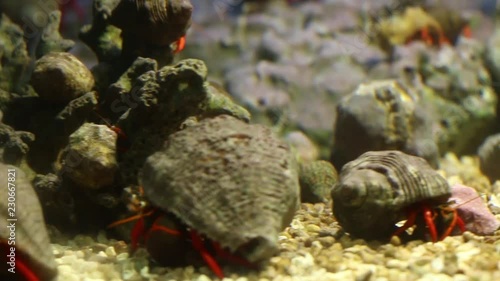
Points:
(110, 252)
(203, 277)
(122, 256)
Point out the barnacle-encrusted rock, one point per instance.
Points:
(28, 232)
(374, 191)
(61, 77)
(316, 181)
(381, 115)
(14, 145)
(233, 182)
(489, 156)
(90, 157)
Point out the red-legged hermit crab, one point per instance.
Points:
(226, 186)
(24, 241)
(381, 188)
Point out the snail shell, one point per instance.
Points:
(375, 189)
(233, 182)
(31, 237)
(157, 22)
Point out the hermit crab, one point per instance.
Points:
(382, 188)
(24, 240)
(225, 186)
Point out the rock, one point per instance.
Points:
(14, 71)
(90, 157)
(14, 145)
(489, 156)
(304, 148)
(50, 39)
(381, 115)
(61, 77)
(316, 179)
(467, 108)
(473, 210)
(492, 57)
(162, 102)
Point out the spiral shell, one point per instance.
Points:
(233, 182)
(374, 191)
(156, 22)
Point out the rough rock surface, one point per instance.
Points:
(473, 210)
(90, 157)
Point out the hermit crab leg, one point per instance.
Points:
(456, 221)
(26, 272)
(410, 221)
(429, 221)
(180, 44)
(163, 229)
(211, 262)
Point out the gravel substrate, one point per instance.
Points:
(315, 248)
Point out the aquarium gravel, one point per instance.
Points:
(312, 248)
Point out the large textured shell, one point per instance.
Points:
(233, 182)
(374, 190)
(32, 240)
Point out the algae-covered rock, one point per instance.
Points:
(381, 115)
(316, 179)
(159, 102)
(14, 145)
(304, 148)
(61, 77)
(489, 156)
(90, 157)
(50, 39)
(464, 99)
(14, 58)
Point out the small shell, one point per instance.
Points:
(156, 22)
(31, 238)
(375, 189)
(233, 182)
